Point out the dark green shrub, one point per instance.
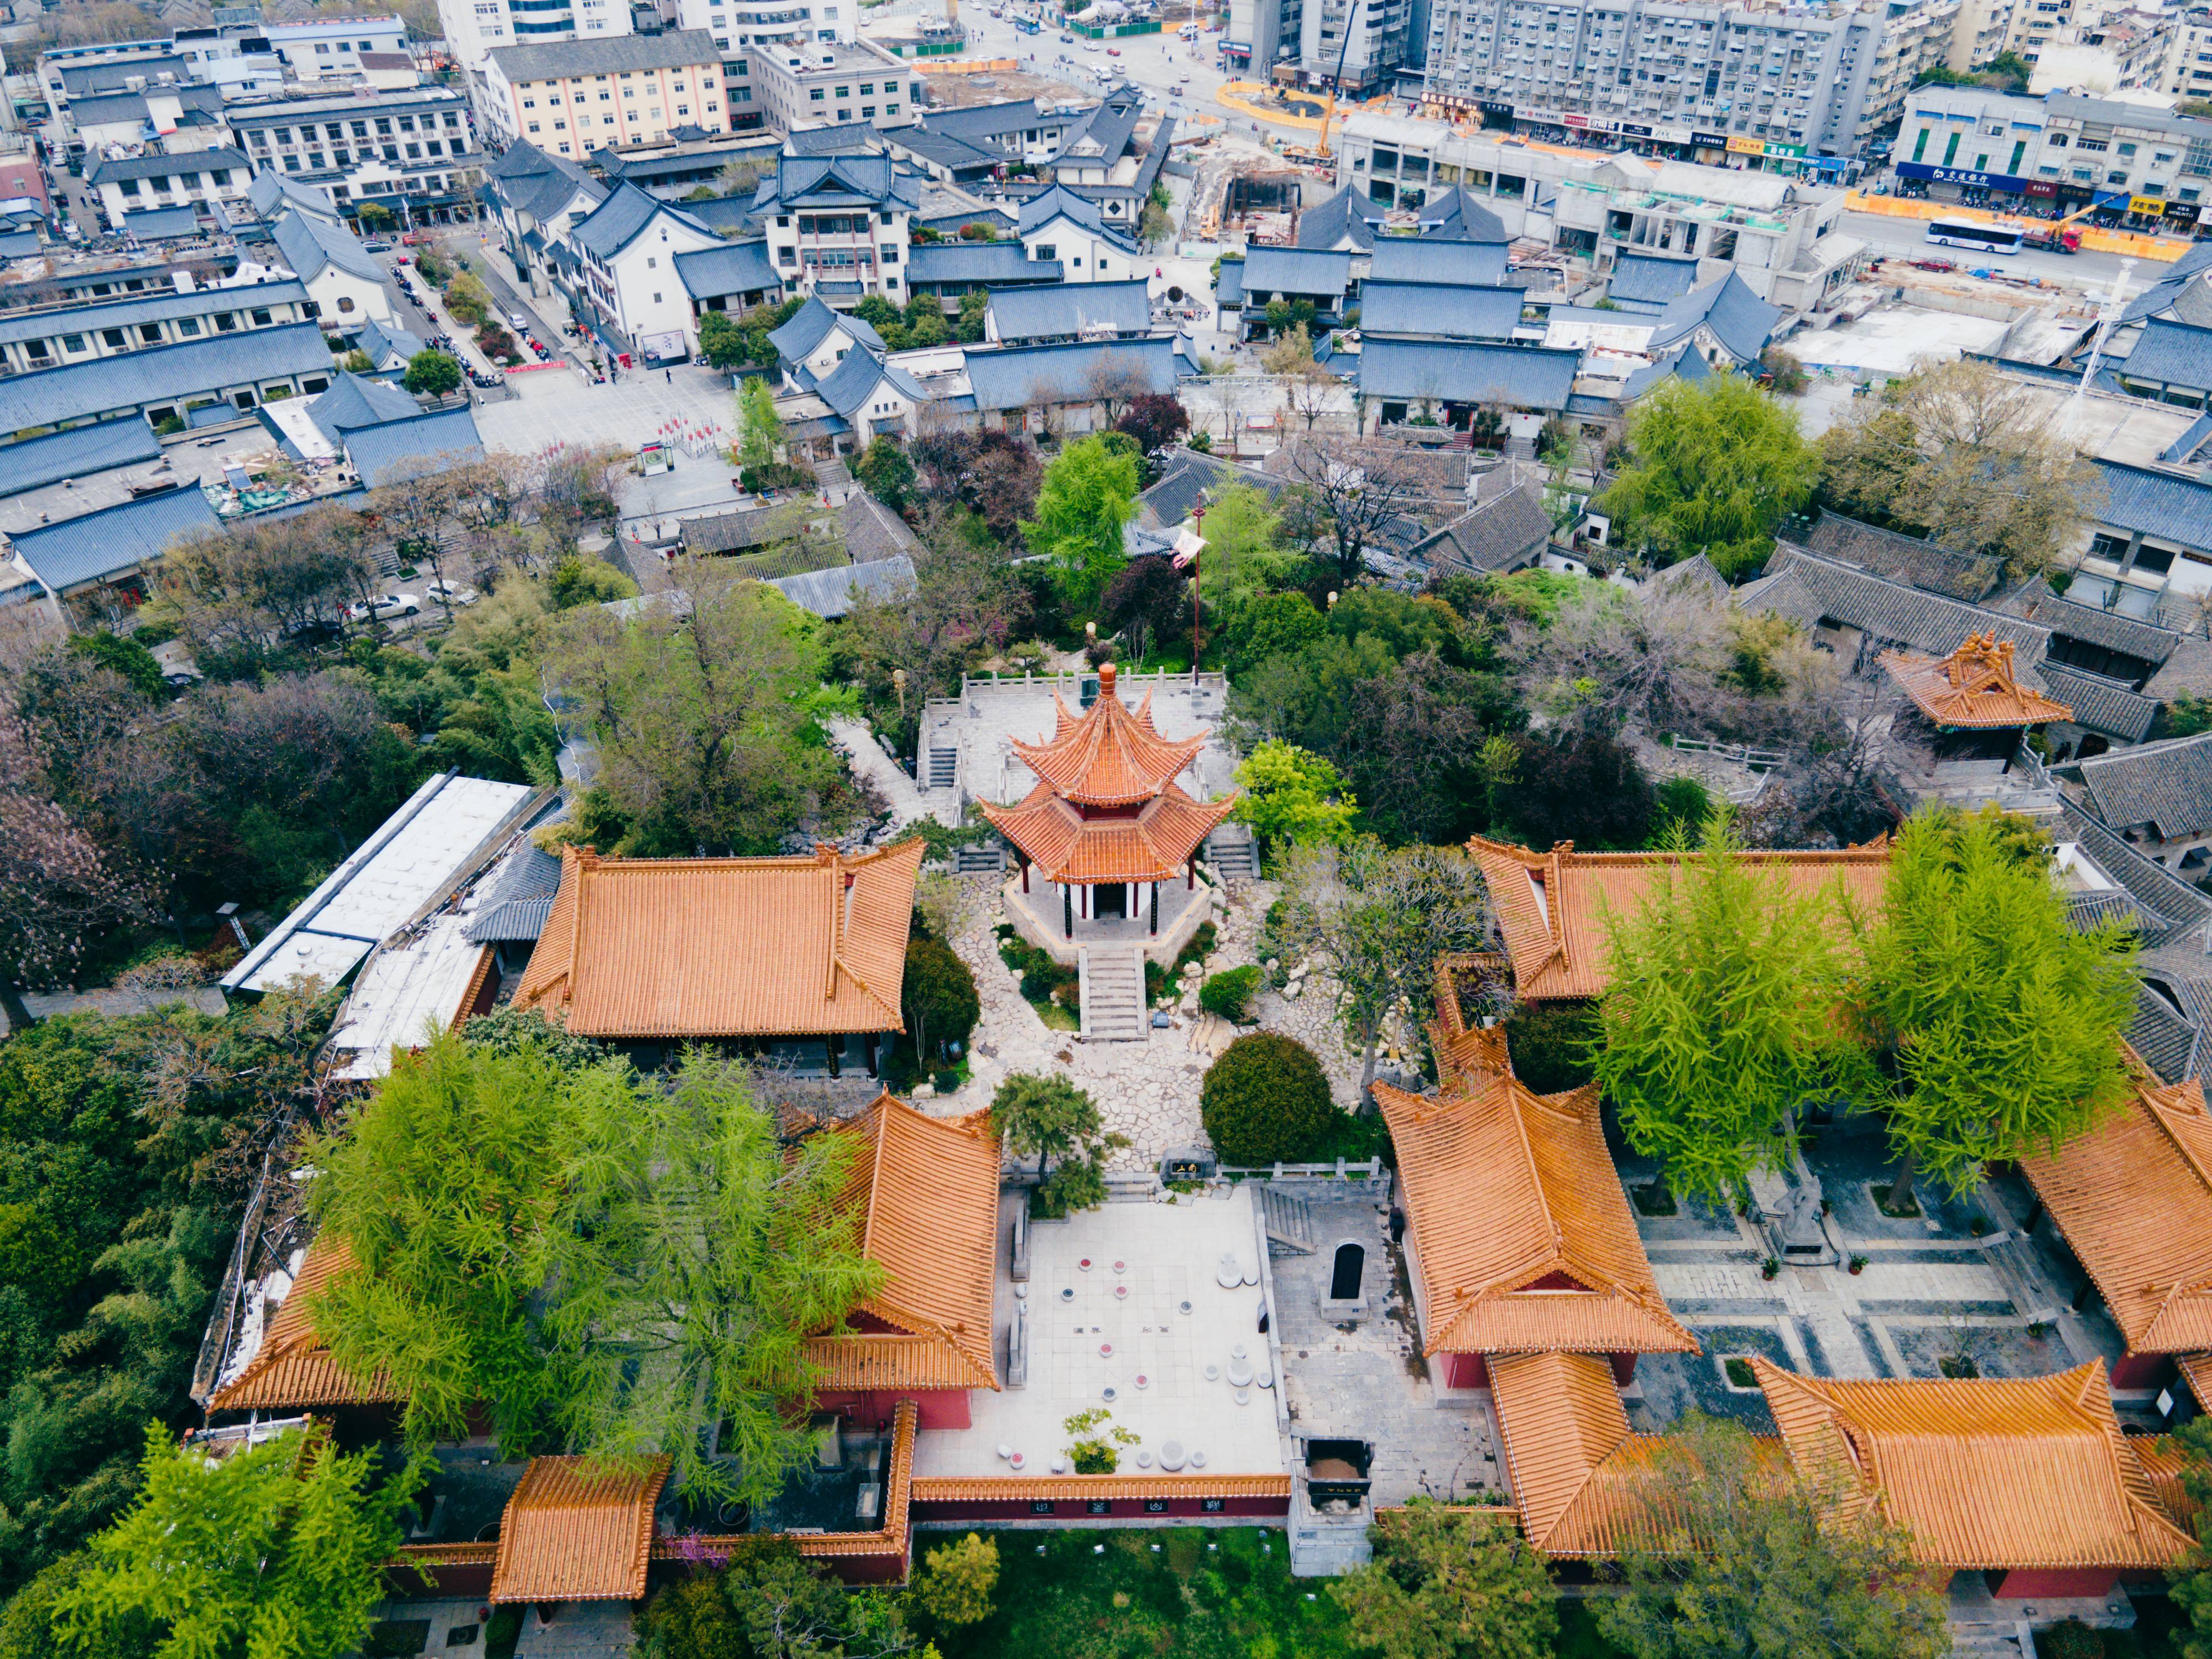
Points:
(774, 475)
(1229, 996)
(2070, 1640)
(1266, 1101)
(1551, 1044)
(937, 996)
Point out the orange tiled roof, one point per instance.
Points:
(1110, 755)
(927, 1189)
(2196, 1371)
(2134, 1198)
(1506, 1191)
(1973, 687)
(1568, 1449)
(578, 1530)
(2163, 1460)
(726, 947)
(292, 1369)
(1475, 1052)
(889, 1539)
(1146, 845)
(1552, 907)
(1984, 1472)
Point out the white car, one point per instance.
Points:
(452, 592)
(1092, 45)
(386, 605)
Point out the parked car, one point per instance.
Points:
(386, 605)
(1113, 51)
(376, 248)
(1090, 45)
(452, 592)
(518, 322)
(1066, 39)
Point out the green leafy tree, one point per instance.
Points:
(1717, 464)
(968, 327)
(468, 299)
(1720, 1019)
(2000, 1019)
(1383, 915)
(693, 1257)
(1265, 1099)
(2192, 1583)
(957, 1580)
(1272, 625)
(770, 1603)
(442, 1186)
(1090, 492)
(1731, 1557)
(723, 341)
(375, 220)
(937, 996)
(1244, 554)
(760, 427)
(276, 1551)
(432, 375)
(1293, 797)
(1047, 1118)
(1449, 1584)
(123, 654)
(882, 466)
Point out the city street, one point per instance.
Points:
(1907, 239)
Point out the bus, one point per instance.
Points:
(1968, 233)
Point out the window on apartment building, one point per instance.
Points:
(284, 135)
(315, 159)
(2124, 149)
(814, 95)
(2117, 176)
(344, 157)
(291, 164)
(2056, 141)
(188, 326)
(534, 126)
(322, 52)
(116, 338)
(384, 128)
(226, 322)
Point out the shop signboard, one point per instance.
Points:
(1710, 140)
(1962, 176)
(1630, 129)
(1745, 146)
(2146, 205)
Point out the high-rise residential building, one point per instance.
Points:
(576, 96)
(474, 28)
(2187, 71)
(738, 24)
(1359, 44)
(1785, 81)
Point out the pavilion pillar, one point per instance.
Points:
(1025, 874)
(1190, 873)
(1086, 901)
(830, 1045)
(868, 1045)
(1156, 910)
(1067, 908)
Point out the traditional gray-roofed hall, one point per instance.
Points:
(622, 219)
(1450, 377)
(1735, 321)
(2159, 794)
(1071, 310)
(1296, 273)
(1506, 533)
(1349, 220)
(1459, 264)
(2148, 502)
(952, 269)
(167, 224)
(413, 446)
(1460, 215)
(159, 309)
(101, 546)
(1188, 479)
(78, 452)
(735, 271)
(310, 246)
(105, 169)
(1455, 313)
(1651, 282)
(1023, 377)
(832, 592)
(168, 377)
(807, 328)
(1907, 559)
(2171, 360)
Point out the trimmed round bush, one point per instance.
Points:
(1229, 996)
(1264, 1101)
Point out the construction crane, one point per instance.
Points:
(1320, 151)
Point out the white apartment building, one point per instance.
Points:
(737, 25)
(1743, 80)
(2187, 71)
(576, 96)
(332, 47)
(400, 150)
(833, 84)
(1310, 35)
(474, 27)
(130, 184)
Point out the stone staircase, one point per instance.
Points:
(989, 860)
(1113, 992)
(1288, 1219)
(942, 768)
(1233, 853)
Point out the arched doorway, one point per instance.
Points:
(1345, 1274)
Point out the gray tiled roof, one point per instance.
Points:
(677, 49)
(154, 306)
(957, 154)
(2167, 785)
(1467, 372)
(104, 168)
(310, 245)
(2160, 299)
(622, 218)
(854, 381)
(806, 328)
(873, 533)
(160, 374)
(1312, 272)
(830, 592)
(2091, 623)
(2170, 904)
(2170, 352)
(1501, 534)
(2100, 703)
(1229, 289)
(2185, 448)
(1459, 313)
(115, 539)
(1737, 317)
(839, 180)
(2170, 1043)
(987, 263)
(1906, 559)
(1459, 215)
(271, 193)
(1460, 265)
(2165, 506)
(1188, 478)
(1071, 310)
(78, 452)
(733, 268)
(1347, 218)
(520, 900)
(389, 347)
(1651, 278)
(354, 401)
(1684, 363)
(393, 450)
(1016, 377)
(161, 224)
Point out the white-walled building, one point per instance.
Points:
(737, 25)
(1060, 225)
(342, 278)
(409, 150)
(333, 47)
(832, 84)
(627, 248)
(131, 183)
(577, 96)
(476, 28)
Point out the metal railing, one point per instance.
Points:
(1370, 1169)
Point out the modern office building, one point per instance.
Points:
(410, 151)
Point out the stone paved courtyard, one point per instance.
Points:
(1147, 1090)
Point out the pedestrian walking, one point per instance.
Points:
(672, 375)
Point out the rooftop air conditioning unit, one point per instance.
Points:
(134, 84)
(828, 60)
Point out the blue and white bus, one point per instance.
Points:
(1969, 233)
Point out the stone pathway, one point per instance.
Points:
(900, 793)
(1145, 1090)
